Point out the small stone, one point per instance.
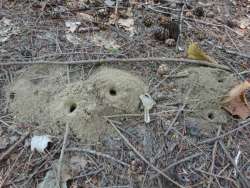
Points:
(170, 42)
(163, 69)
(4, 142)
(173, 5)
(189, 14)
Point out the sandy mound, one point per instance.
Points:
(41, 96)
(208, 87)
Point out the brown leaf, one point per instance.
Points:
(236, 102)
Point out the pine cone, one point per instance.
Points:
(148, 21)
(199, 12)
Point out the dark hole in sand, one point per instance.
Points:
(112, 92)
(210, 116)
(72, 107)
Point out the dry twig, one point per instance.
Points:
(62, 154)
(113, 60)
(244, 181)
(6, 153)
(143, 158)
(97, 154)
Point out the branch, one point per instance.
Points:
(124, 60)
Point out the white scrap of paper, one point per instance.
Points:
(39, 143)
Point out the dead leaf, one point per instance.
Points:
(195, 52)
(127, 24)
(72, 26)
(236, 102)
(85, 17)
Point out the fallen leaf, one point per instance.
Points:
(72, 26)
(195, 52)
(127, 24)
(236, 102)
(39, 143)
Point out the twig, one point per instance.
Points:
(213, 159)
(218, 176)
(96, 153)
(142, 157)
(124, 60)
(163, 80)
(9, 127)
(62, 154)
(183, 160)
(178, 162)
(245, 124)
(10, 169)
(178, 48)
(234, 52)
(88, 174)
(179, 111)
(244, 181)
(6, 153)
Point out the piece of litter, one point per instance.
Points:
(39, 143)
(148, 103)
(72, 26)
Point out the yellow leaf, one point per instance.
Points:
(195, 52)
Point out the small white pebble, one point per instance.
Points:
(39, 143)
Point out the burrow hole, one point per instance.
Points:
(12, 95)
(72, 107)
(221, 80)
(210, 116)
(112, 92)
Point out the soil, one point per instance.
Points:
(42, 96)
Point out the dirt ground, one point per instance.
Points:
(75, 71)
